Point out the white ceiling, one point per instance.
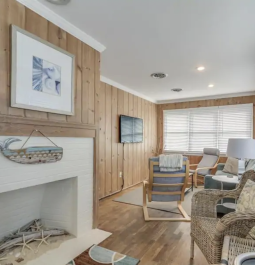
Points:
(172, 36)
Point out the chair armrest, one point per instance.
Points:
(193, 165)
(204, 202)
(236, 224)
(220, 166)
(201, 168)
(145, 183)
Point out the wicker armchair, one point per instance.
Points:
(207, 231)
(234, 246)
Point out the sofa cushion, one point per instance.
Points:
(246, 201)
(250, 165)
(231, 166)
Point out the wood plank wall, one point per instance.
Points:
(96, 106)
(197, 104)
(130, 159)
(87, 64)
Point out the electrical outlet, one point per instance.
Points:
(120, 175)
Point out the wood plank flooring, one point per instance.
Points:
(154, 243)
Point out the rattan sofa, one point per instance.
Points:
(208, 231)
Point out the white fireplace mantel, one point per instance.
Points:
(76, 164)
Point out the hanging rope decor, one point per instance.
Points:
(31, 155)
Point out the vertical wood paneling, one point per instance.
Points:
(102, 128)
(129, 179)
(135, 160)
(74, 46)
(120, 146)
(139, 146)
(114, 139)
(145, 136)
(143, 176)
(97, 86)
(91, 74)
(108, 138)
(57, 37)
(12, 12)
(130, 159)
(88, 85)
(4, 55)
(126, 146)
(37, 25)
(85, 84)
(16, 16)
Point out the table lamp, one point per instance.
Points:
(241, 149)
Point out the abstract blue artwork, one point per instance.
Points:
(46, 77)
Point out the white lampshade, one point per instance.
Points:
(241, 148)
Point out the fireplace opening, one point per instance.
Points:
(29, 215)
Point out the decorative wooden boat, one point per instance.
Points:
(31, 155)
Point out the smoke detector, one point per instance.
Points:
(176, 89)
(59, 2)
(159, 75)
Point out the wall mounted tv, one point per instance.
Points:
(131, 129)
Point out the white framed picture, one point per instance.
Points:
(42, 75)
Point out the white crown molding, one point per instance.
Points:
(48, 14)
(124, 88)
(233, 95)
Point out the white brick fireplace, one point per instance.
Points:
(60, 193)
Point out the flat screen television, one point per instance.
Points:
(131, 129)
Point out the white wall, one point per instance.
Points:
(19, 207)
(59, 205)
(77, 162)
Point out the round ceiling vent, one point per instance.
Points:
(159, 75)
(59, 2)
(176, 89)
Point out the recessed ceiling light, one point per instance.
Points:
(176, 89)
(59, 2)
(159, 75)
(201, 68)
(211, 85)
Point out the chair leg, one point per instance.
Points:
(145, 209)
(192, 248)
(195, 179)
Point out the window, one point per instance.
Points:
(190, 130)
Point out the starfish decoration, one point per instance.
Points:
(36, 227)
(43, 240)
(24, 244)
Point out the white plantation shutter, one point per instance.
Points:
(235, 121)
(191, 130)
(176, 130)
(203, 128)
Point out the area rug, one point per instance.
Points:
(135, 197)
(98, 255)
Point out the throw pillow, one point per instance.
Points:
(231, 166)
(246, 201)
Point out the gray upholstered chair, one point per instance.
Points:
(165, 187)
(208, 162)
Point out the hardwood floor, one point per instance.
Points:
(154, 243)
